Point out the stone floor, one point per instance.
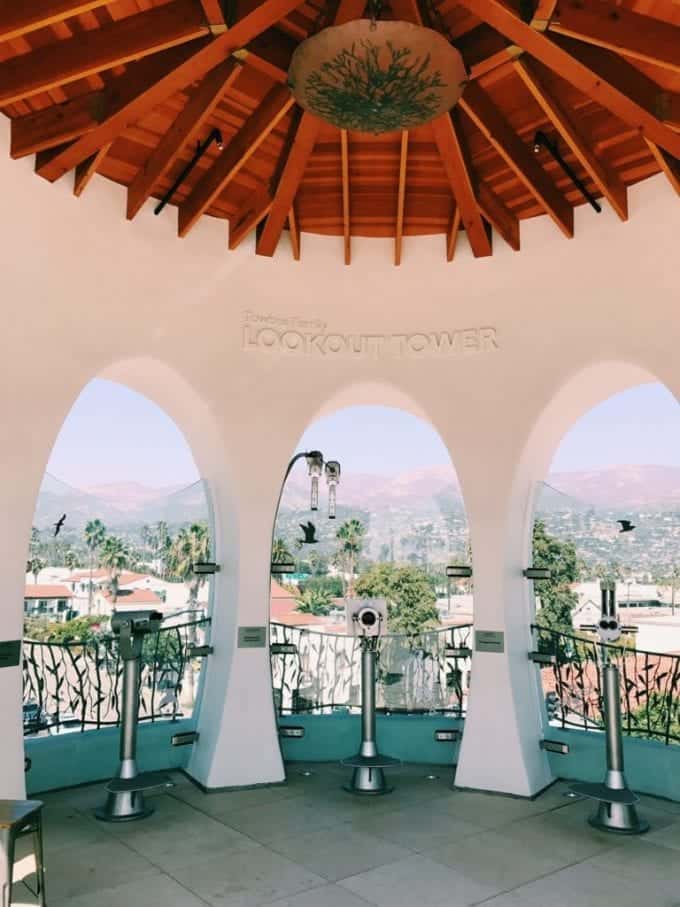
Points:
(309, 844)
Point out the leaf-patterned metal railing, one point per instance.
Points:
(318, 672)
(650, 686)
(77, 685)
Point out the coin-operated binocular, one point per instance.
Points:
(125, 800)
(366, 619)
(616, 811)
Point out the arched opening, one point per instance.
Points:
(389, 530)
(121, 520)
(608, 511)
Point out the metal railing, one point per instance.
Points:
(76, 686)
(316, 672)
(650, 686)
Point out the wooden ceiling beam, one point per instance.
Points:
(87, 169)
(301, 149)
(249, 216)
(452, 233)
(253, 19)
(669, 165)
(401, 196)
(198, 108)
(213, 10)
(294, 231)
(57, 124)
(616, 96)
(499, 216)
(604, 177)
(448, 138)
(611, 26)
(17, 18)
(142, 87)
(293, 170)
(241, 147)
(111, 45)
(346, 219)
(493, 125)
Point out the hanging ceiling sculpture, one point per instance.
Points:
(374, 76)
(375, 141)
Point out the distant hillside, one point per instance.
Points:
(632, 488)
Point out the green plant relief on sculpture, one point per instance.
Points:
(354, 91)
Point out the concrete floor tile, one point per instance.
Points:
(246, 879)
(417, 881)
(328, 896)
(157, 891)
(336, 853)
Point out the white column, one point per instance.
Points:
(238, 743)
(500, 749)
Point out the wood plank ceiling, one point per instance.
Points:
(128, 88)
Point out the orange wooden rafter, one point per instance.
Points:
(301, 149)
(611, 26)
(346, 219)
(214, 16)
(493, 125)
(242, 146)
(401, 196)
(452, 233)
(499, 215)
(19, 18)
(249, 216)
(87, 169)
(294, 231)
(111, 45)
(611, 93)
(199, 107)
(669, 165)
(448, 138)
(256, 18)
(604, 177)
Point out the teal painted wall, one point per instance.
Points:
(65, 760)
(329, 738)
(651, 767)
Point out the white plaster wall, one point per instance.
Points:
(85, 293)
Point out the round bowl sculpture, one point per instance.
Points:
(377, 77)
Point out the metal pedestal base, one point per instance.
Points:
(616, 811)
(125, 801)
(124, 807)
(368, 777)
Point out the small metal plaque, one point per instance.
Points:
(489, 641)
(10, 653)
(252, 637)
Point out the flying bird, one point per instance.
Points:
(309, 530)
(626, 526)
(57, 526)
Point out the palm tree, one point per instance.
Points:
(351, 536)
(35, 565)
(280, 552)
(115, 557)
(163, 546)
(95, 533)
(190, 546)
(71, 559)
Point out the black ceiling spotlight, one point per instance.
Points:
(201, 148)
(541, 140)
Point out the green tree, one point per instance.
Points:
(71, 559)
(556, 596)
(80, 629)
(411, 600)
(190, 546)
(34, 566)
(351, 537)
(280, 552)
(330, 585)
(94, 534)
(115, 557)
(314, 601)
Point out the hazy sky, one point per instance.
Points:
(113, 434)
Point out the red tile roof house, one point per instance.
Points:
(53, 601)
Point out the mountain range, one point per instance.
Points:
(415, 494)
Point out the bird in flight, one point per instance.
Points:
(626, 526)
(309, 530)
(58, 525)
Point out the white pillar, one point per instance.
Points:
(504, 725)
(238, 743)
